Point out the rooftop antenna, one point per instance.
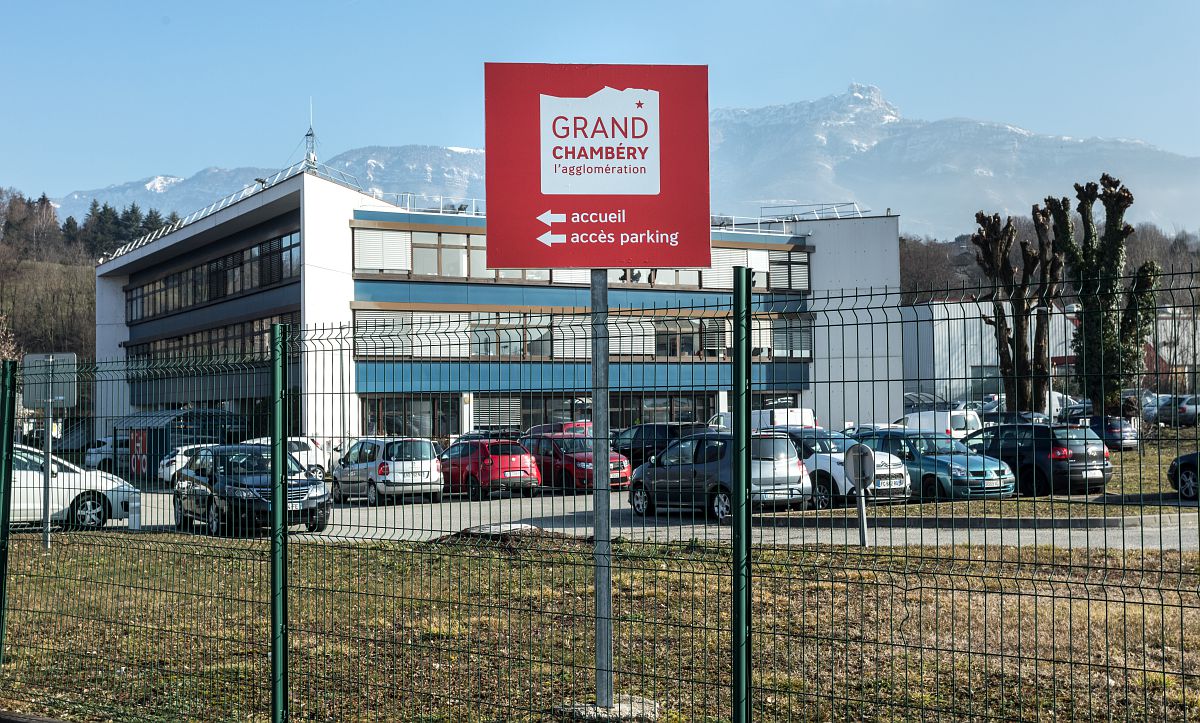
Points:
(310, 140)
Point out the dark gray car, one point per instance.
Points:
(697, 473)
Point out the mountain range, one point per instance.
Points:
(854, 146)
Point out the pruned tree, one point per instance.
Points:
(1116, 313)
(1020, 290)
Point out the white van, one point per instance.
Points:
(957, 423)
(763, 418)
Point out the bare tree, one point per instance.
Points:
(1020, 289)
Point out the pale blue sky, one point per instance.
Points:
(99, 93)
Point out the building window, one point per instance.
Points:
(788, 270)
(266, 264)
(243, 341)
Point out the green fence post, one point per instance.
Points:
(279, 663)
(741, 497)
(8, 413)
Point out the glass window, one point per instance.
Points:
(681, 452)
(410, 450)
(425, 261)
(424, 237)
(479, 269)
(537, 274)
(454, 239)
(776, 448)
(510, 273)
(478, 241)
(688, 277)
(454, 262)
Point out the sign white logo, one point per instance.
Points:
(606, 143)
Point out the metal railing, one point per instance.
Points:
(423, 548)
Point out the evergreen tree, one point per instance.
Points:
(1116, 317)
(72, 233)
(173, 218)
(152, 222)
(131, 223)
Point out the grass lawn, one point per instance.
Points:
(174, 628)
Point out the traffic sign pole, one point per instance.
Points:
(602, 530)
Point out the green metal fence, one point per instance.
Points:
(394, 520)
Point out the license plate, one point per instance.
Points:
(294, 506)
(615, 475)
(514, 473)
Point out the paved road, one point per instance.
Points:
(415, 520)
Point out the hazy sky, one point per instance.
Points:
(98, 93)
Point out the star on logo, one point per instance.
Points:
(639, 104)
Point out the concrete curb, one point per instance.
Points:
(983, 523)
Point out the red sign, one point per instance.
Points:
(597, 166)
(139, 462)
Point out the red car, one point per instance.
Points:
(480, 467)
(578, 427)
(565, 460)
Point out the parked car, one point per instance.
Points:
(1183, 475)
(228, 488)
(823, 453)
(856, 429)
(993, 418)
(102, 454)
(956, 423)
(1117, 433)
(566, 461)
(1150, 410)
(80, 499)
(642, 441)
(1072, 413)
(942, 467)
(177, 459)
(583, 427)
(481, 467)
(1047, 457)
(378, 468)
(696, 473)
(1181, 413)
(306, 449)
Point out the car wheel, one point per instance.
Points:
(641, 502)
(319, 520)
(372, 494)
(181, 523)
(336, 493)
(1187, 483)
(213, 521)
(931, 489)
(474, 489)
(87, 512)
(720, 505)
(822, 497)
(317, 471)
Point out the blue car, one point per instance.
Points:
(941, 467)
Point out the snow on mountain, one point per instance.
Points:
(853, 146)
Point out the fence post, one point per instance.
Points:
(8, 413)
(279, 663)
(741, 494)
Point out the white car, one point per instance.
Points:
(306, 449)
(102, 453)
(80, 499)
(176, 460)
(823, 453)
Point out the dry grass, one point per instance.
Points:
(171, 628)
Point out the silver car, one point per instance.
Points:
(380, 467)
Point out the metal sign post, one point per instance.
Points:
(860, 470)
(602, 522)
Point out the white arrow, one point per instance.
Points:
(549, 217)
(552, 238)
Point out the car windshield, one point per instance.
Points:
(500, 448)
(1076, 434)
(771, 448)
(252, 463)
(410, 450)
(829, 443)
(573, 445)
(939, 444)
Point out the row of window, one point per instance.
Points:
(565, 336)
(248, 340)
(463, 256)
(259, 266)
